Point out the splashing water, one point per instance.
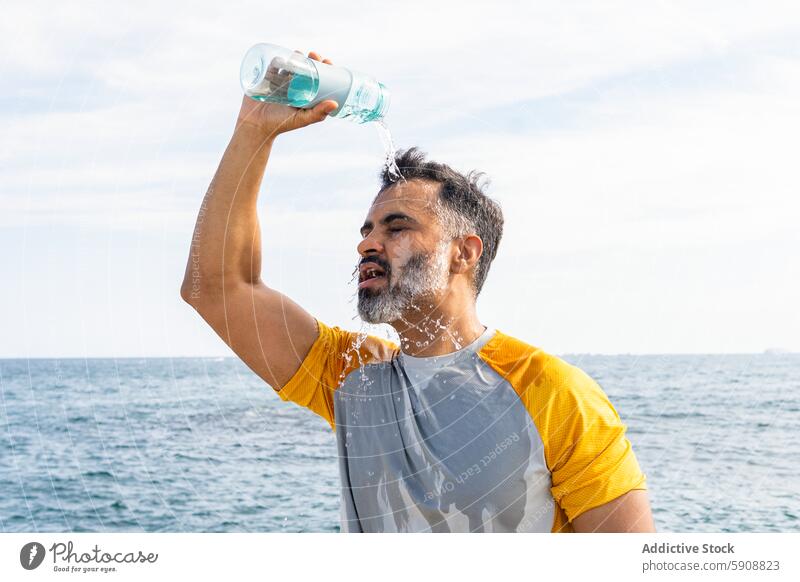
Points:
(391, 150)
(434, 329)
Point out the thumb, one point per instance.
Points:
(320, 111)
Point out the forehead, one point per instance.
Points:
(418, 198)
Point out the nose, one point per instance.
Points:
(370, 245)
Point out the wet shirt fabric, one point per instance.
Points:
(498, 436)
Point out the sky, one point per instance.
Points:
(644, 155)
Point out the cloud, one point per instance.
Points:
(614, 132)
(681, 167)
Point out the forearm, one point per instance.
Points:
(226, 243)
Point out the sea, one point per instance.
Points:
(203, 445)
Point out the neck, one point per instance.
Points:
(443, 329)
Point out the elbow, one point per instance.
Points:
(191, 289)
(199, 294)
(189, 292)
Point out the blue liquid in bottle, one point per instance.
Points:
(302, 90)
(278, 75)
(368, 100)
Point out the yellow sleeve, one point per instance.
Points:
(591, 461)
(333, 355)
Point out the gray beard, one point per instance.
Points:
(423, 275)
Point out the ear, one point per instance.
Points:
(468, 251)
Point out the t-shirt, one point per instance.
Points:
(498, 436)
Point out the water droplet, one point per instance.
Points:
(389, 148)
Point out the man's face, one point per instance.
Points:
(405, 258)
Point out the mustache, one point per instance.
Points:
(382, 263)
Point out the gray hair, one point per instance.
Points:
(463, 206)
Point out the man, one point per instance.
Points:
(461, 427)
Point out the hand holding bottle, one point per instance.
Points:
(274, 74)
(274, 118)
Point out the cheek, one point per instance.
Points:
(400, 251)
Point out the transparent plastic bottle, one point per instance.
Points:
(279, 75)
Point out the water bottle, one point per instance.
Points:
(279, 75)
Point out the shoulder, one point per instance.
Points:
(523, 364)
(333, 355)
(542, 380)
(355, 349)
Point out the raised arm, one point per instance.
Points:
(266, 329)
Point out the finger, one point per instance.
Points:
(328, 106)
(314, 56)
(320, 111)
(327, 61)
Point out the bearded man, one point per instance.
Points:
(460, 428)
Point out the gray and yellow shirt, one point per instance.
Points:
(496, 437)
